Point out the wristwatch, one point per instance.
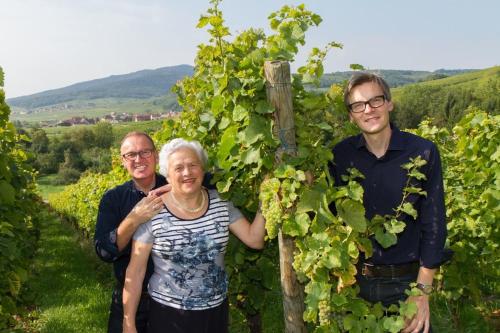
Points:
(427, 289)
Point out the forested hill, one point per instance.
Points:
(395, 78)
(447, 100)
(140, 85)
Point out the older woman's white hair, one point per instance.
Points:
(174, 145)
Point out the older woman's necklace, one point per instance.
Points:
(187, 209)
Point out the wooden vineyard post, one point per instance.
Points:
(279, 95)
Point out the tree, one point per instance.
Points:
(103, 135)
(39, 141)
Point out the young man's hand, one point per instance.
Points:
(421, 320)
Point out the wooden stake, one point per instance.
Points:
(279, 95)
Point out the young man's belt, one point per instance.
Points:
(388, 271)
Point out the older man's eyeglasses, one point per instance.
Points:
(131, 156)
(374, 102)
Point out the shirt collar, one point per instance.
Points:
(159, 181)
(395, 143)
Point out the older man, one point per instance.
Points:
(121, 211)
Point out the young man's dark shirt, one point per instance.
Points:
(422, 239)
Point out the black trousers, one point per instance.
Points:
(115, 321)
(387, 290)
(165, 319)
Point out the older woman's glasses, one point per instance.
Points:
(131, 156)
(374, 102)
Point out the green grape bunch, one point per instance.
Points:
(271, 205)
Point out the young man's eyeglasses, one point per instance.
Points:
(131, 156)
(375, 102)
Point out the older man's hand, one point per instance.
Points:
(145, 209)
(160, 190)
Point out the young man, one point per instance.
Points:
(121, 211)
(379, 152)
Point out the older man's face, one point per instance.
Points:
(139, 157)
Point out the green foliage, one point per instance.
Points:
(18, 206)
(67, 175)
(103, 135)
(39, 141)
(80, 202)
(75, 151)
(471, 156)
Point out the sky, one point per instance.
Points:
(49, 44)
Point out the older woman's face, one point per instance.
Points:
(185, 171)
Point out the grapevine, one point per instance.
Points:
(20, 214)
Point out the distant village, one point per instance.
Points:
(115, 118)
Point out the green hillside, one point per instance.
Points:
(394, 78)
(446, 100)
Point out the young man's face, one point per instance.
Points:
(139, 157)
(372, 120)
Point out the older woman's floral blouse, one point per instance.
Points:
(188, 255)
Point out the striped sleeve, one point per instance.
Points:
(144, 233)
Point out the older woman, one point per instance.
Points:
(188, 239)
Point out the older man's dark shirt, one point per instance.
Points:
(422, 239)
(115, 205)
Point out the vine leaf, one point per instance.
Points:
(251, 156)
(393, 324)
(239, 113)
(331, 258)
(297, 226)
(258, 128)
(385, 239)
(408, 209)
(7, 192)
(309, 201)
(353, 213)
(228, 141)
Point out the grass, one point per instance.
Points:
(46, 186)
(70, 286)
